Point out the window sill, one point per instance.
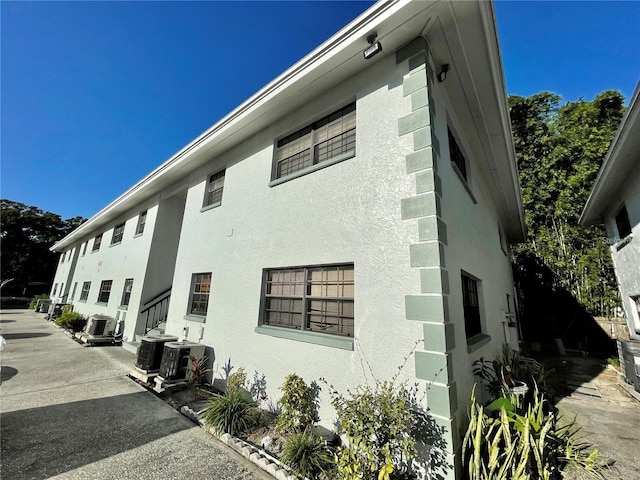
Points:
(313, 168)
(104, 304)
(82, 301)
(624, 242)
(138, 235)
(477, 341)
(123, 307)
(209, 207)
(464, 182)
(195, 318)
(95, 251)
(335, 341)
(115, 244)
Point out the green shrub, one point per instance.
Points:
(308, 455)
(522, 443)
(236, 380)
(232, 413)
(299, 405)
(71, 320)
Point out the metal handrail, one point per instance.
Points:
(158, 311)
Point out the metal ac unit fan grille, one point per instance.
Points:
(174, 363)
(150, 352)
(97, 326)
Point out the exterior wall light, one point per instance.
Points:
(442, 74)
(374, 47)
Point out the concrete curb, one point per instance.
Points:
(258, 457)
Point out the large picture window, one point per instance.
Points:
(316, 299)
(200, 290)
(471, 304)
(330, 137)
(105, 291)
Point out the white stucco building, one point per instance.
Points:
(348, 209)
(615, 201)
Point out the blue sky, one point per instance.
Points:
(95, 95)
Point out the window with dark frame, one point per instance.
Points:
(84, 247)
(55, 287)
(96, 243)
(472, 322)
(105, 291)
(316, 299)
(317, 143)
(200, 290)
(126, 292)
(70, 255)
(73, 291)
(84, 294)
(622, 222)
(456, 155)
(118, 233)
(142, 219)
(215, 186)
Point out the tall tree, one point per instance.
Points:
(26, 234)
(559, 150)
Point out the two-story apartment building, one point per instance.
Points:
(348, 209)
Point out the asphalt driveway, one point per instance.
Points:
(71, 412)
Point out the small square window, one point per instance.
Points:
(622, 222)
(126, 292)
(200, 290)
(84, 294)
(471, 305)
(215, 185)
(96, 243)
(105, 291)
(142, 219)
(118, 233)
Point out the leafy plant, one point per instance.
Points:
(231, 413)
(299, 405)
(236, 380)
(258, 387)
(226, 368)
(34, 300)
(308, 455)
(198, 370)
(71, 320)
(522, 442)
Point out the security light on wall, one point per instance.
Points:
(374, 47)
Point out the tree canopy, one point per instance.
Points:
(26, 234)
(559, 149)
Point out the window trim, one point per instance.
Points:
(127, 282)
(142, 221)
(315, 163)
(475, 335)
(463, 176)
(103, 290)
(301, 331)
(73, 290)
(211, 180)
(97, 242)
(55, 289)
(118, 233)
(84, 294)
(196, 316)
(84, 247)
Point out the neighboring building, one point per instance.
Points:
(615, 201)
(348, 209)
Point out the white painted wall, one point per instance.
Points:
(626, 260)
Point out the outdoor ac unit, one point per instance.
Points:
(631, 362)
(150, 351)
(175, 359)
(42, 306)
(100, 326)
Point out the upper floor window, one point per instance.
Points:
(330, 138)
(118, 233)
(200, 290)
(84, 294)
(55, 287)
(456, 155)
(316, 299)
(105, 291)
(84, 247)
(215, 185)
(471, 305)
(73, 291)
(622, 222)
(142, 219)
(96, 243)
(70, 255)
(126, 292)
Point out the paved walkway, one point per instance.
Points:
(69, 412)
